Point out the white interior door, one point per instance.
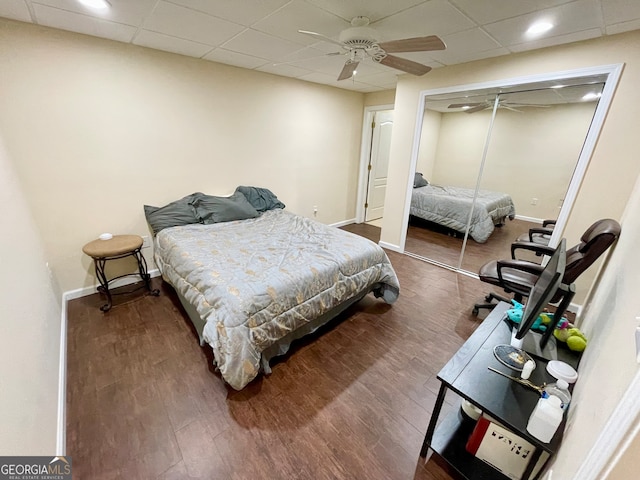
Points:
(378, 164)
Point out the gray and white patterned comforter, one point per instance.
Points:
(256, 280)
(450, 206)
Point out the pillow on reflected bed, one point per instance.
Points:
(210, 209)
(419, 180)
(174, 214)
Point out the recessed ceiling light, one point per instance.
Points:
(591, 96)
(466, 107)
(539, 28)
(98, 4)
(557, 86)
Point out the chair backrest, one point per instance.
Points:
(594, 242)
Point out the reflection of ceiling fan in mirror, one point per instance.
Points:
(361, 42)
(474, 107)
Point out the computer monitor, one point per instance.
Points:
(549, 283)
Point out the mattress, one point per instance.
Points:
(256, 281)
(451, 206)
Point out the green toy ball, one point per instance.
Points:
(576, 343)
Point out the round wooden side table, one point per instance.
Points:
(119, 246)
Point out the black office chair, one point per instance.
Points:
(518, 276)
(541, 235)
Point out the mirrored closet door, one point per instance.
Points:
(498, 161)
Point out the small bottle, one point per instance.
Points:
(527, 369)
(545, 418)
(561, 390)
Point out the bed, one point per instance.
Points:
(252, 286)
(449, 206)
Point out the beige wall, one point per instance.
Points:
(29, 326)
(385, 97)
(609, 364)
(615, 158)
(532, 154)
(97, 128)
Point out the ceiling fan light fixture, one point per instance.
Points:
(539, 28)
(359, 37)
(97, 4)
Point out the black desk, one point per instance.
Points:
(505, 400)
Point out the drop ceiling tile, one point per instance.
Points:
(465, 43)
(245, 12)
(306, 53)
(15, 10)
(221, 55)
(467, 46)
(160, 41)
(252, 42)
(435, 17)
(324, 78)
(74, 22)
(374, 9)
(300, 15)
(574, 17)
(489, 11)
(121, 11)
(327, 65)
(619, 11)
(188, 24)
(558, 40)
(284, 70)
(623, 27)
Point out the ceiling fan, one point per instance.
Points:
(361, 41)
(474, 107)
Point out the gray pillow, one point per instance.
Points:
(176, 213)
(210, 209)
(262, 199)
(419, 181)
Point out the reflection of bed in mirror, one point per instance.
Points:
(449, 207)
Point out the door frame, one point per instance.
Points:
(365, 153)
(613, 73)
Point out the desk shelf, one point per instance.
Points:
(449, 441)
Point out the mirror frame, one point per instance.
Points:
(612, 72)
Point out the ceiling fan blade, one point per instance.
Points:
(348, 69)
(461, 105)
(507, 107)
(403, 64)
(520, 105)
(319, 36)
(417, 44)
(478, 108)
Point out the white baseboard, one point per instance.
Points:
(530, 219)
(390, 246)
(61, 437)
(342, 224)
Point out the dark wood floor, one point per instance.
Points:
(143, 401)
(430, 241)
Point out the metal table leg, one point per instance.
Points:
(434, 420)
